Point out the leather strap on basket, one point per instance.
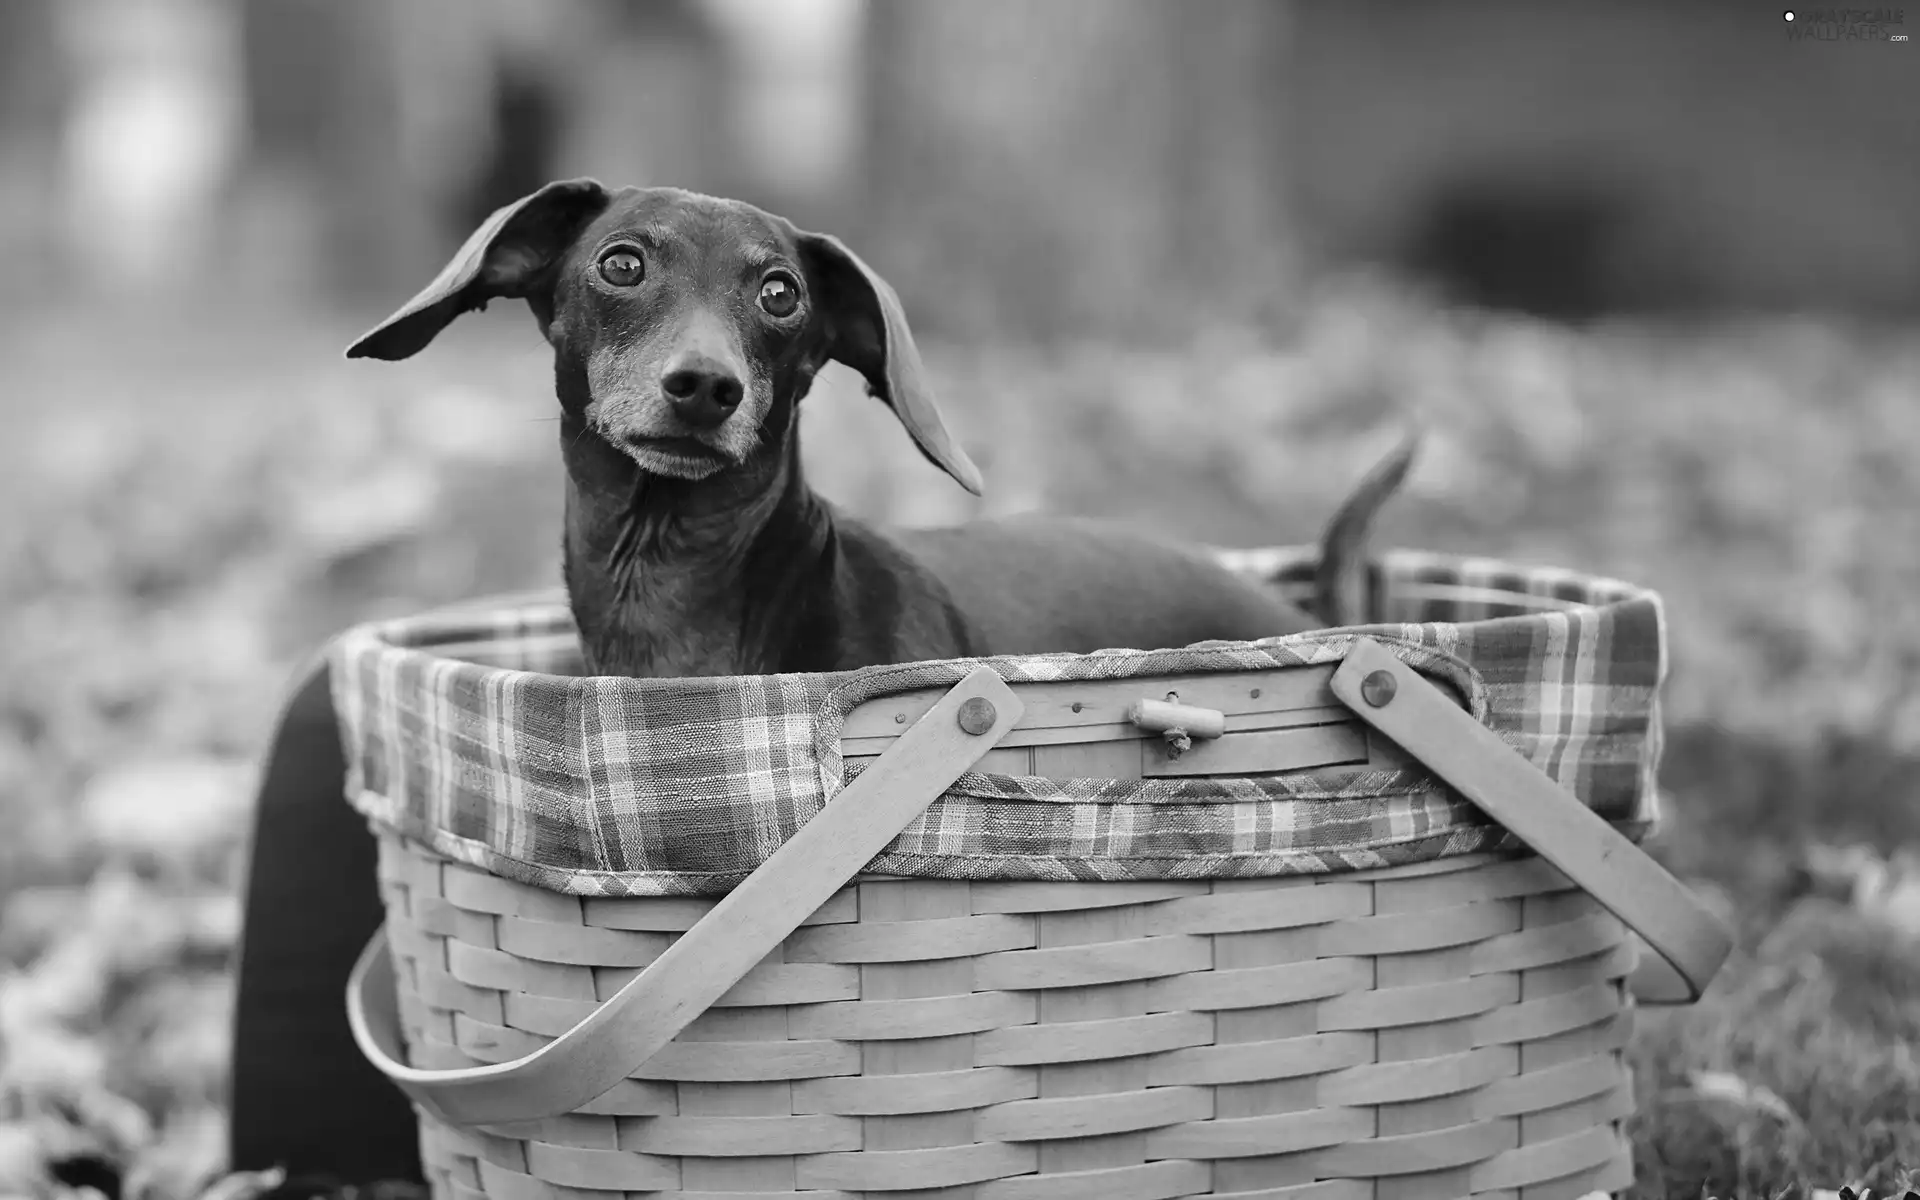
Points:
(706, 961)
(1550, 820)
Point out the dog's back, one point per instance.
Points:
(1033, 585)
(1036, 585)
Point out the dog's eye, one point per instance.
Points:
(622, 268)
(779, 295)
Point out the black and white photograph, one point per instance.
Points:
(959, 600)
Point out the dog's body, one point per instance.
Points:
(686, 330)
(1044, 584)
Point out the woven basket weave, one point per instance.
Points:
(1450, 1027)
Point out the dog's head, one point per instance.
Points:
(685, 328)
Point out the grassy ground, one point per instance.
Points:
(189, 507)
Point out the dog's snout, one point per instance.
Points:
(702, 390)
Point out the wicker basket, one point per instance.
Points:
(1450, 1027)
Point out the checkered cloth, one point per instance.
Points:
(519, 764)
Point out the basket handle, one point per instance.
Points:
(702, 964)
(1551, 821)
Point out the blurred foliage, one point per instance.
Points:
(193, 504)
(197, 491)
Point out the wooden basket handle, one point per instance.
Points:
(703, 963)
(1399, 702)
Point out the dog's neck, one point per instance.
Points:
(669, 577)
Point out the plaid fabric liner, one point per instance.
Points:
(520, 765)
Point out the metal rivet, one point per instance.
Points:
(977, 715)
(1076, 706)
(1378, 688)
(1256, 693)
(899, 718)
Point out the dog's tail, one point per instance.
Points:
(1342, 594)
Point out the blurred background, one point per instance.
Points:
(1649, 273)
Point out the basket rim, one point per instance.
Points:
(600, 785)
(1406, 572)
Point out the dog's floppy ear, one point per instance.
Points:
(507, 256)
(869, 333)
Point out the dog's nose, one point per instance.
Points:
(702, 390)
